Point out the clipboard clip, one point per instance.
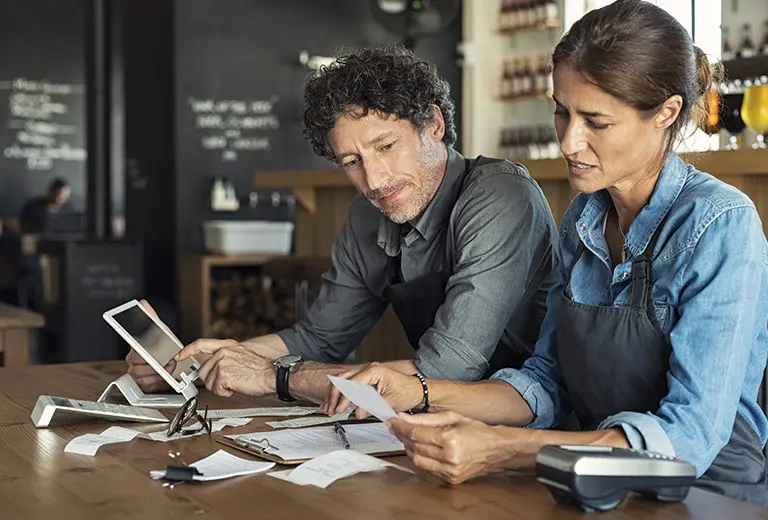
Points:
(259, 446)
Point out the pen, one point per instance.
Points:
(339, 429)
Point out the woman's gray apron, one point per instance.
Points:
(616, 359)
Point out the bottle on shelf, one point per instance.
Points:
(541, 77)
(525, 76)
(727, 52)
(526, 86)
(552, 13)
(528, 143)
(764, 44)
(517, 78)
(541, 12)
(747, 46)
(504, 17)
(507, 79)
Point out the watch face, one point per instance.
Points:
(287, 360)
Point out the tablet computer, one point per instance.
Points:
(152, 340)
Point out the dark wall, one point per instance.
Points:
(150, 188)
(247, 51)
(182, 58)
(42, 119)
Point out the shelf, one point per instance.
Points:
(527, 96)
(214, 260)
(549, 24)
(720, 164)
(746, 68)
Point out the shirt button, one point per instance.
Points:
(624, 276)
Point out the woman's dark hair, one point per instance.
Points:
(387, 80)
(641, 55)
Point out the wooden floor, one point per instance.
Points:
(39, 481)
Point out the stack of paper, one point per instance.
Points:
(302, 422)
(222, 465)
(327, 469)
(90, 443)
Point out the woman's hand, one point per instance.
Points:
(401, 391)
(454, 447)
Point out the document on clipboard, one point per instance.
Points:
(301, 445)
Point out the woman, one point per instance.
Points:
(656, 334)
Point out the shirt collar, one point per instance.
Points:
(435, 216)
(668, 187)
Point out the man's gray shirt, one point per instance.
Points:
(491, 230)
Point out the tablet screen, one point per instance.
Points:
(152, 337)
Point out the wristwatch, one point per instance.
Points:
(284, 365)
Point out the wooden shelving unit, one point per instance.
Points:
(545, 26)
(197, 282)
(196, 288)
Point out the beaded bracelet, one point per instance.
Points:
(424, 388)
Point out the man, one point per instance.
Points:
(36, 212)
(461, 249)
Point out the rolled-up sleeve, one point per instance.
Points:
(344, 310)
(504, 236)
(721, 312)
(540, 381)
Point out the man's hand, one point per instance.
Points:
(401, 391)
(144, 375)
(231, 367)
(451, 446)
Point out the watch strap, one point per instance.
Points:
(281, 384)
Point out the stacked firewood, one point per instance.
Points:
(245, 304)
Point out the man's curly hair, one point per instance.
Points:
(388, 80)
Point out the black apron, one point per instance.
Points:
(416, 302)
(616, 359)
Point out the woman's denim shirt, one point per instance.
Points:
(710, 294)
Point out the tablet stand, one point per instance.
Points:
(124, 389)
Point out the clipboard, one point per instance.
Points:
(262, 448)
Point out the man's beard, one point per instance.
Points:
(420, 196)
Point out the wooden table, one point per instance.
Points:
(15, 326)
(39, 480)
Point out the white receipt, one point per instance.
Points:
(282, 411)
(301, 422)
(222, 465)
(364, 396)
(90, 443)
(327, 469)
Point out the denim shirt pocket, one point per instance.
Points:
(662, 313)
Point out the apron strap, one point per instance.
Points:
(642, 276)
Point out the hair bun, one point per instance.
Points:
(706, 73)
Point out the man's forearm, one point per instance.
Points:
(309, 381)
(270, 346)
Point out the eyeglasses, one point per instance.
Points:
(185, 414)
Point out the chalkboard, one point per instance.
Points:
(42, 100)
(91, 278)
(239, 88)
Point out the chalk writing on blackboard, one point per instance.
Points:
(106, 280)
(37, 114)
(230, 127)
